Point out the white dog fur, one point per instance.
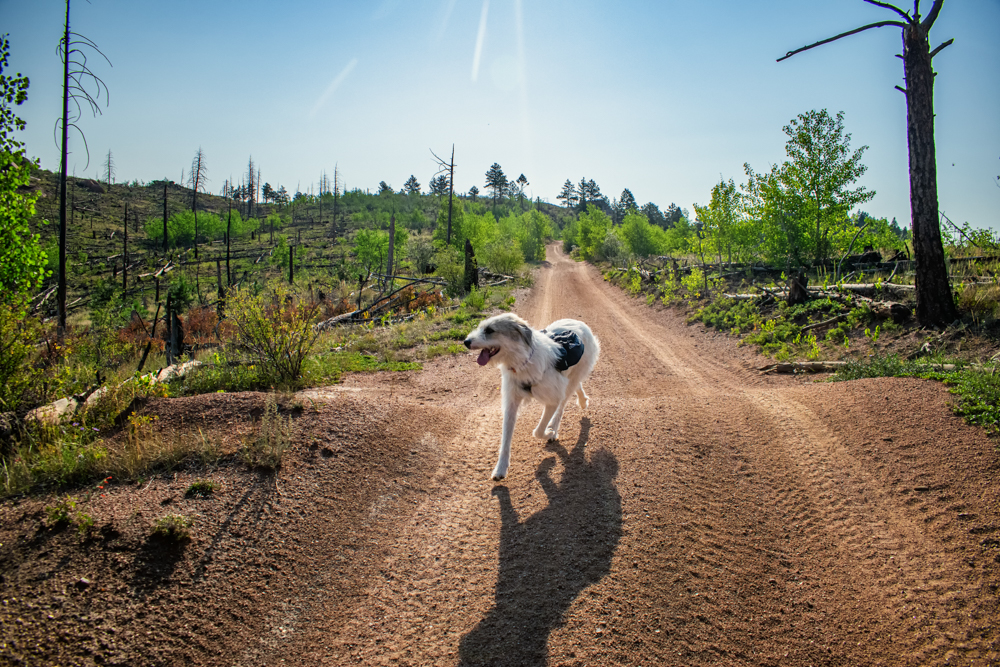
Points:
(527, 361)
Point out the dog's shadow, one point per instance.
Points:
(550, 557)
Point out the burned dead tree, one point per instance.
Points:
(448, 167)
(935, 303)
(78, 79)
(199, 175)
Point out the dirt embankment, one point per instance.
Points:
(700, 513)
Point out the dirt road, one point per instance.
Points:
(698, 514)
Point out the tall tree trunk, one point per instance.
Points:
(164, 217)
(935, 303)
(229, 236)
(125, 255)
(451, 191)
(392, 243)
(61, 289)
(194, 207)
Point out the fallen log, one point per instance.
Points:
(817, 325)
(334, 321)
(804, 367)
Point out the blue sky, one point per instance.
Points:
(663, 98)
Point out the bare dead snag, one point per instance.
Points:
(935, 304)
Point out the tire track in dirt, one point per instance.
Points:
(700, 514)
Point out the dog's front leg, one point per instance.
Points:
(510, 408)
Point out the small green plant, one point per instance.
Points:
(476, 299)
(633, 281)
(872, 335)
(650, 298)
(60, 513)
(274, 437)
(201, 488)
(173, 527)
(814, 351)
(84, 523)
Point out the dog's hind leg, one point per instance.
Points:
(546, 418)
(552, 432)
(581, 397)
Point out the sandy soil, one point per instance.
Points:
(699, 513)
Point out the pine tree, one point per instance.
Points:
(411, 187)
(439, 185)
(496, 182)
(568, 194)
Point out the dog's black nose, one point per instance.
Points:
(467, 342)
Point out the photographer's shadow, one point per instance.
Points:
(549, 558)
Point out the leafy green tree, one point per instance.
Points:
(722, 221)
(593, 227)
(473, 193)
(779, 215)
(538, 230)
(642, 238)
(821, 170)
(22, 261)
(384, 188)
(411, 187)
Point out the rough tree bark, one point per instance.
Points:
(935, 303)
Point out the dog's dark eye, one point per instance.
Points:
(488, 330)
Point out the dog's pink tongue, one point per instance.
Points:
(484, 357)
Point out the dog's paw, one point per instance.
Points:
(551, 435)
(583, 404)
(498, 474)
(541, 434)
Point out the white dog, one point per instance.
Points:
(548, 365)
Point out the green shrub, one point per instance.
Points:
(476, 299)
(502, 256)
(60, 513)
(978, 391)
(272, 330)
(17, 336)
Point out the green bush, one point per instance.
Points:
(18, 333)
(502, 256)
(476, 299)
(273, 330)
(211, 227)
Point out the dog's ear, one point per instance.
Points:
(525, 332)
